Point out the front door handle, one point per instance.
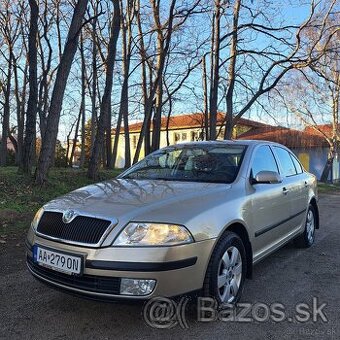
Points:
(285, 191)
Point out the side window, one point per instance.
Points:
(288, 168)
(264, 160)
(297, 164)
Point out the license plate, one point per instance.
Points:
(55, 260)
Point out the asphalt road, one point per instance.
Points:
(30, 310)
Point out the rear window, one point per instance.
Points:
(287, 165)
(297, 164)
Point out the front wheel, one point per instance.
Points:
(306, 239)
(226, 270)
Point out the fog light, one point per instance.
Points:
(136, 286)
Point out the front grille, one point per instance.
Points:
(99, 284)
(82, 229)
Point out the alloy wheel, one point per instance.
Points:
(310, 226)
(229, 274)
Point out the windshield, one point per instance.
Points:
(206, 163)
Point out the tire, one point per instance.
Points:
(306, 239)
(226, 272)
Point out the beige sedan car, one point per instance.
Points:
(193, 217)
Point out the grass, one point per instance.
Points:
(326, 188)
(20, 198)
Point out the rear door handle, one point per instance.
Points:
(306, 184)
(285, 191)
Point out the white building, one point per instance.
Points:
(181, 128)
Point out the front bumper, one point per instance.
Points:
(177, 269)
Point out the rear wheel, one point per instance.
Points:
(306, 239)
(227, 270)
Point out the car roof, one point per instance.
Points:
(229, 142)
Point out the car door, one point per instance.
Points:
(295, 185)
(270, 206)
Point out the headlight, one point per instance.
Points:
(37, 218)
(153, 234)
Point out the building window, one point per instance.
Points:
(197, 136)
(134, 141)
(194, 136)
(177, 137)
(181, 137)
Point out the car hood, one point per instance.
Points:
(143, 200)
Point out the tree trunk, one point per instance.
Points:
(6, 114)
(32, 105)
(333, 149)
(49, 142)
(205, 98)
(157, 121)
(145, 131)
(94, 80)
(117, 135)
(75, 138)
(169, 95)
(83, 94)
(105, 103)
(157, 117)
(127, 134)
(328, 166)
(43, 96)
(215, 62)
(124, 99)
(231, 73)
(162, 50)
(20, 103)
(67, 149)
(143, 57)
(125, 96)
(108, 138)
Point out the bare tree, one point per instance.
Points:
(269, 64)
(205, 98)
(123, 115)
(32, 105)
(45, 54)
(95, 4)
(215, 68)
(49, 142)
(20, 70)
(105, 103)
(232, 70)
(153, 103)
(144, 88)
(9, 29)
(82, 105)
(316, 96)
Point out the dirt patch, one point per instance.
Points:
(12, 253)
(13, 229)
(13, 223)
(11, 218)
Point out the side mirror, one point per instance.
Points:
(266, 177)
